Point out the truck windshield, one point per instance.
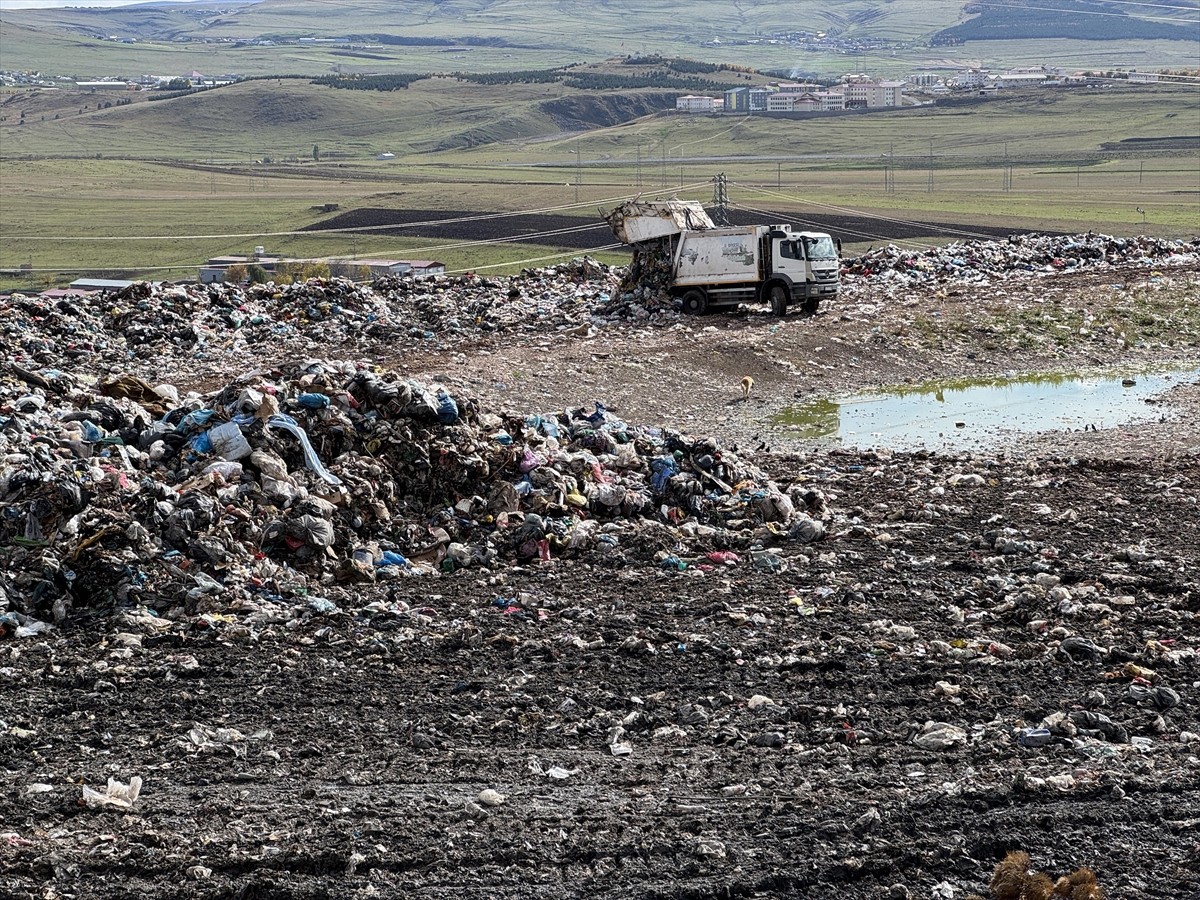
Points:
(820, 247)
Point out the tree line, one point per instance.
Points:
(369, 82)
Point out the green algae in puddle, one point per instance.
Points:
(963, 412)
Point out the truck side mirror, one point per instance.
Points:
(838, 243)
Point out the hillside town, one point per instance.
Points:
(852, 91)
(862, 91)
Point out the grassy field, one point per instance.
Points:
(80, 193)
(84, 56)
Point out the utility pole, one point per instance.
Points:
(929, 187)
(720, 199)
(778, 175)
(1007, 170)
(578, 169)
(639, 163)
(889, 177)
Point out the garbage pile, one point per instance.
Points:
(130, 329)
(643, 292)
(644, 288)
(981, 261)
(235, 323)
(561, 296)
(141, 322)
(325, 473)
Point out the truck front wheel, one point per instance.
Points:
(780, 297)
(695, 302)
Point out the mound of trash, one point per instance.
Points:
(1022, 254)
(232, 323)
(116, 492)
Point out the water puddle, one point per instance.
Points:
(971, 412)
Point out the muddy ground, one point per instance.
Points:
(685, 371)
(722, 731)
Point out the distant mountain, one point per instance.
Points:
(1084, 20)
(602, 25)
(832, 37)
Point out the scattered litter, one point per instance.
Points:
(490, 797)
(117, 794)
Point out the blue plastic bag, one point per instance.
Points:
(313, 401)
(447, 410)
(196, 419)
(663, 469)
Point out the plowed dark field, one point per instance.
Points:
(540, 229)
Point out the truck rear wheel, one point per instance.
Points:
(780, 296)
(695, 302)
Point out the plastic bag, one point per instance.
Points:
(228, 442)
(122, 796)
(447, 409)
(288, 424)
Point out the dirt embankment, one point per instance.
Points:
(583, 111)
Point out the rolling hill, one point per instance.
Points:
(282, 118)
(315, 37)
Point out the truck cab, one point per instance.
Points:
(806, 262)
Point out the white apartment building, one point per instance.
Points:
(810, 101)
(872, 94)
(695, 103)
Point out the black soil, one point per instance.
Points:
(484, 226)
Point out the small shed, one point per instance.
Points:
(100, 284)
(382, 267)
(425, 267)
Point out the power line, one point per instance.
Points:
(862, 213)
(866, 234)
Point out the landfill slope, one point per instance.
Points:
(490, 588)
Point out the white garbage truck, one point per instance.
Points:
(708, 267)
